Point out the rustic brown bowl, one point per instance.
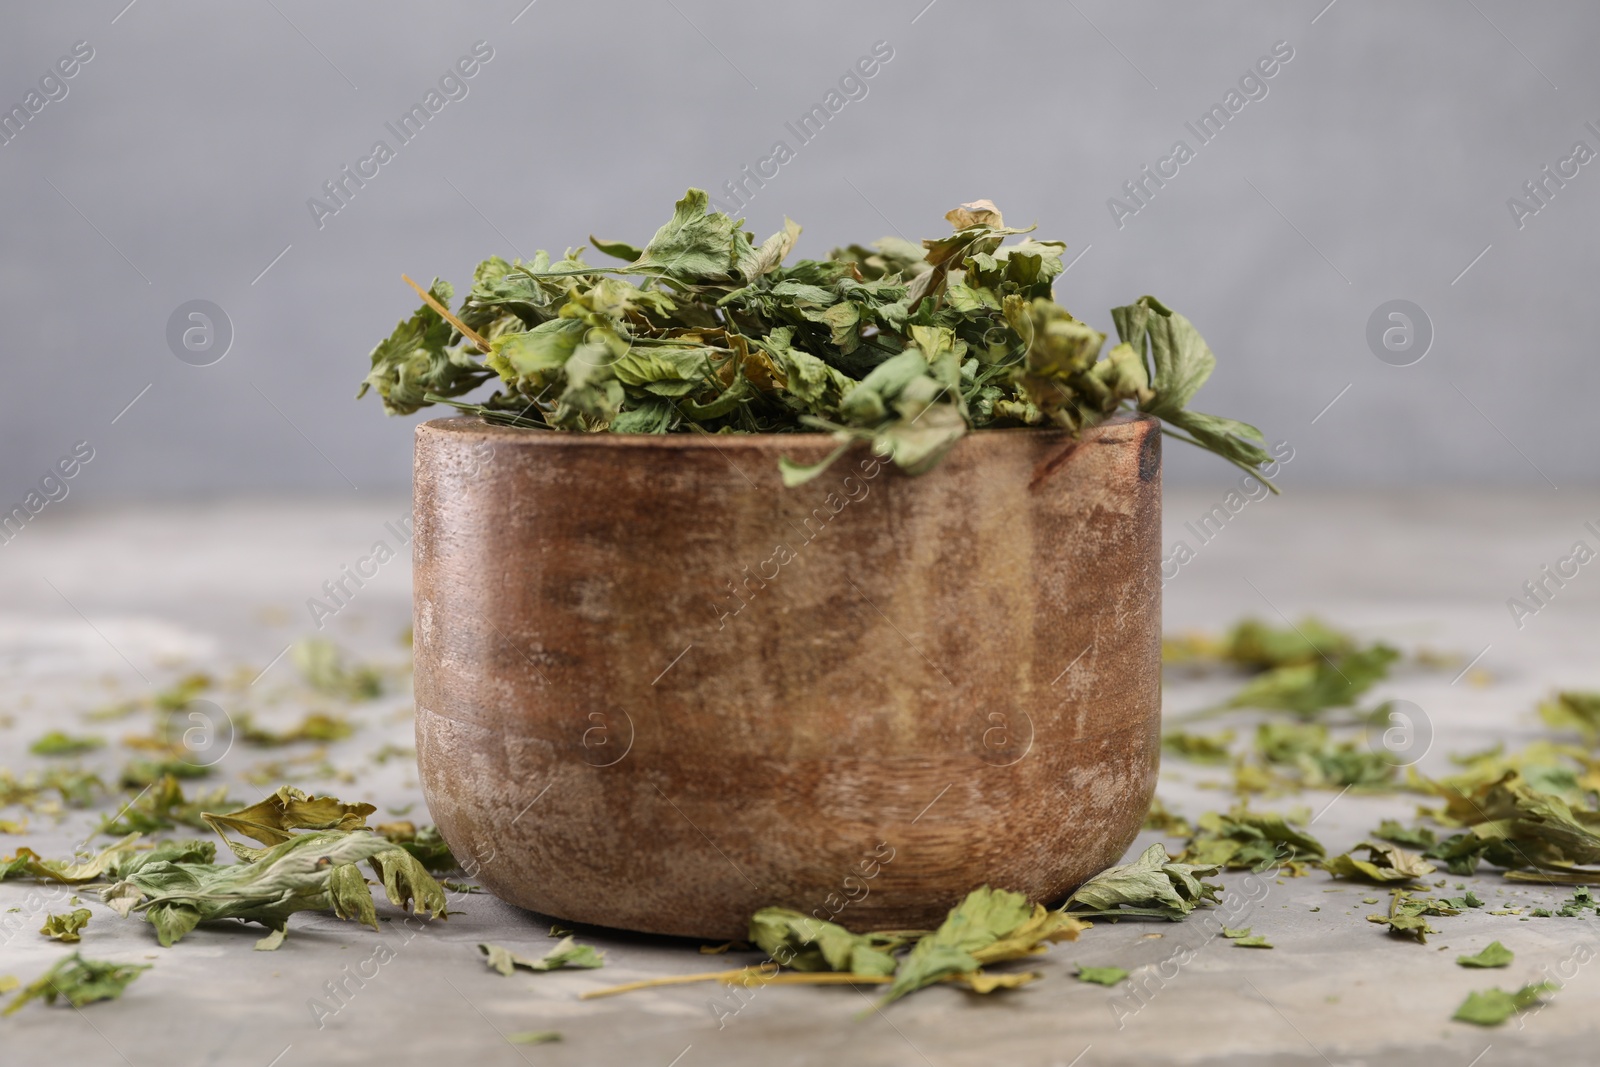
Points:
(657, 690)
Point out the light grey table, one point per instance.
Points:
(95, 603)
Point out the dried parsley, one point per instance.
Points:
(793, 939)
(1408, 915)
(1491, 1007)
(1538, 836)
(57, 743)
(1385, 863)
(1250, 840)
(79, 982)
(989, 926)
(1106, 976)
(317, 726)
(322, 666)
(533, 1037)
(566, 953)
(702, 329)
(66, 927)
(1154, 886)
(1200, 748)
(308, 861)
(1574, 710)
(1494, 954)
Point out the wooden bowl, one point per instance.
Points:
(657, 690)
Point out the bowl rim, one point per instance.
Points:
(473, 425)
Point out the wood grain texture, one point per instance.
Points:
(656, 690)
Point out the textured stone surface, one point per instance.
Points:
(658, 691)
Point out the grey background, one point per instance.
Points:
(1377, 167)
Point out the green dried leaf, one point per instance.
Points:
(26, 861)
(989, 926)
(274, 940)
(1316, 761)
(350, 897)
(415, 360)
(1420, 837)
(274, 820)
(1494, 954)
(566, 953)
(322, 666)
(408, 884)
(1384, 864)
(1312, 687)
(794, 939)
(1491, 1007)
(79, 982)
(317, 726)
(1510, 824)
(533, 1037)
(1166, 821)
(1107, 976)
(1153, 886)
(426, 844)
(66, 927)
(1574, 710)
(57, 743)
(1249, 840)
(161, 805)
(1259, 646)
(293, 876)
(1201, 748)
(1408, 915)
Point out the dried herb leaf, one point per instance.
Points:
(1153, 886)
(1201, 748)
(1307, 688)
(293, 876)
(322, 666)
(79, 982)
(1491, 1007)
(566, 953)
(794, 939)
(426, 844)
(1574, 710)
(1420, 837)
(274, 820)
(1494, 954)
(1510, 824)
(28, 862)
(1408, 915)
(316, 726)
(1249, 840)
(1159, 817)
(1106, 976)
(66, 927)
(161, 805)
(1385, 863)
(57, 743)
(533, 1037)
(1319, 762)
(989, 926)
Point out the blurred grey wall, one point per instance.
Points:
(1375, 164)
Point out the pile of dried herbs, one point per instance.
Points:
(305, 858)
(905, 346)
